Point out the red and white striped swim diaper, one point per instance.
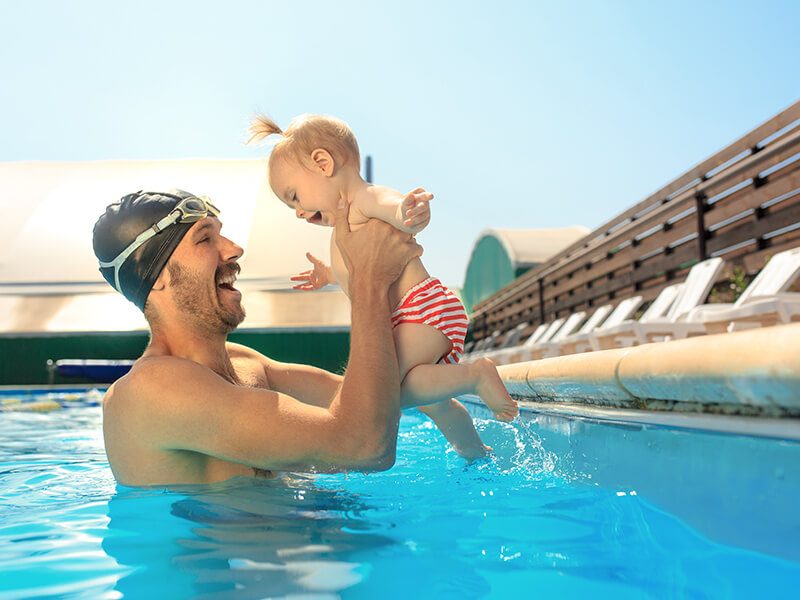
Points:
(431, 303)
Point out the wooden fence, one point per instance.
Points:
(742, 204)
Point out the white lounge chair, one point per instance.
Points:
(482, 346)
(509, 340)
(514, 354)
(765, 301)
(506, 355)
(674, 325)
(548, 348)
(569, 344)
(586, 342)
(525, 351)
(628, 332)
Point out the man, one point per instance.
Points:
(197, 409)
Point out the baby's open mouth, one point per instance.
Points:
(316, 218)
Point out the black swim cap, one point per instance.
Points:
(122, 222)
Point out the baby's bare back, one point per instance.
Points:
(414, 272)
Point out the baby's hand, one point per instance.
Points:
(415, 209)
(315, 278)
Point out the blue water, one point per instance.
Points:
(566, 508)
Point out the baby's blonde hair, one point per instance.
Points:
(305, 134)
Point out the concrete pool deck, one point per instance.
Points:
(751, 373)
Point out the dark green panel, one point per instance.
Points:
(490, 268)
(327, 350)
(23, 359)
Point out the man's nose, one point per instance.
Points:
(231, 250)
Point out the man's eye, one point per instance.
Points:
(203, 241)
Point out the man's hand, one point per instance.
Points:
(377, 252)
(315, 278)
(415, 210)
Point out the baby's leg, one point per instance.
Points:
(425, 382)
(417, 344)
(431, 383)
(456, 425)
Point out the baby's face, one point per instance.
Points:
(312, 196)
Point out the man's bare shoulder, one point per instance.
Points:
(152, 377)
(241, 351)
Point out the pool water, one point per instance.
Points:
(554, 513)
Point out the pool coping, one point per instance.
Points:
(762, 427)
(750, 373)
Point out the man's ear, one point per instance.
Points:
(161, 281)
(323, 161)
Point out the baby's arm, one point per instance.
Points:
(313, 279)
(410, 214)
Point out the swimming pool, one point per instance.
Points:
(568, 508)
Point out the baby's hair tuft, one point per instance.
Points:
(261, 127)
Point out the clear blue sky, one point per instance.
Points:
(515, 114)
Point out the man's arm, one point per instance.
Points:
(310, 385)
(206, 414)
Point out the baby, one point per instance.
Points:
(314, 165)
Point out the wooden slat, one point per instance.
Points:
(660, 264)
(725, 181)
(750, 198)
(755, 261)
(626, 256)
(776, 217)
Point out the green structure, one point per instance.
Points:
(501, 255)
(25, 356)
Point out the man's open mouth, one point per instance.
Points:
(226, 282)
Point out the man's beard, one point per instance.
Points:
(202, 309)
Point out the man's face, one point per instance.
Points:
(202, 272)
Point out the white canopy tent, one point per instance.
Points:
(49, 280)
(532, 247)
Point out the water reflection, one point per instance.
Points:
(243, 538)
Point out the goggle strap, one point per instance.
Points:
(165, 222)
(123, 256)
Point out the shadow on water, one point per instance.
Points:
(242, 538)
(255, 539)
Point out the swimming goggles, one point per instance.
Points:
(188, 210)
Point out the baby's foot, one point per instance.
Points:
(492, 391)
(471, 453)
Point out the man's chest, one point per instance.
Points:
(250, 373)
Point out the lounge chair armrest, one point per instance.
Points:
(780, 297)
(706, 312)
